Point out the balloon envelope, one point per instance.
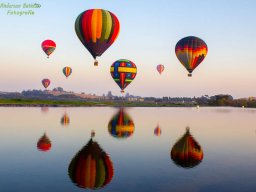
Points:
(48, 46)
(46, 83)
(123, 72)
(121, 125)
(186, 152)
(160, 69)
(191, 51)
(44, 143)
(97, 29)
(157, 131)
(67, 71)
(65, 120)
(91, 167)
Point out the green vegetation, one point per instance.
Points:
(55, 103)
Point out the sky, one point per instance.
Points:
(148, 34)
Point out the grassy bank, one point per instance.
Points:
(56, 103)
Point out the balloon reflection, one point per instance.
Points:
(157, 131)
(91, 167)
(121, 125)
(44, 109)
(186, 152)
(44, 143)
(65, 120)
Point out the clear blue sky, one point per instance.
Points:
(148, 35)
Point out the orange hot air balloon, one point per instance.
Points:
(44, 143)
(160, 69)
(67, 71)
(46, 83)
(65, 120)
(91, 167)
(48, 47)
(157, 131)
(186, 152)
(121, 125)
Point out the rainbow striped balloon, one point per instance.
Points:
(67, 71)
(97, 29)
(123, 72)
(191, 51)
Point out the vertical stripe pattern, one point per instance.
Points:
(67, 71)
(97, 30)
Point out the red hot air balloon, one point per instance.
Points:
(44, 143)
(91, 168)
(160, 68)
(97, 29)
(48, 47)
(46, 83)
(187, 153)
(191, 51)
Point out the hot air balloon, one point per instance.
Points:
(48, 47)
(91, 167)
(157, 131)
(97, 30)
(65, 120)
(121, 125)
(160, 68)
(44, 143)
(46, 83)
(67, 71)
(191, 51)
(123, 72)
(186, 152)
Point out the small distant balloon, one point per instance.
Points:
(46, 83)
(160, 68)
(157, 131)
(67, 71)
(123, 72)
(65, 120)
(44, 143)
(48, 47)
(191, 51)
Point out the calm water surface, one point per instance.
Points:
(134, 149)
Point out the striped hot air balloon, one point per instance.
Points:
(48, 47)
(157, 131)
(65, 120)
(46, 83)
(123, 72)
(97, 30)
(187, 153)
(191, 51)
(67, 71)
(121, 125)
(91, 168)
(160, 68)
(44, 143)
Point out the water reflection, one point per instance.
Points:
(186, 152)
(91, 167)
(44, 143)
(157, 131)
(121, 125)
(65, 120)
(44, 109)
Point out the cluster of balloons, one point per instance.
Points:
(48, 47)
(97, 29)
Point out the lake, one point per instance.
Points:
(127, 149)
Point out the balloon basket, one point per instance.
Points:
(96, 63)
(190, 75)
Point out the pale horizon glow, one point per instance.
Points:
(148, 35)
